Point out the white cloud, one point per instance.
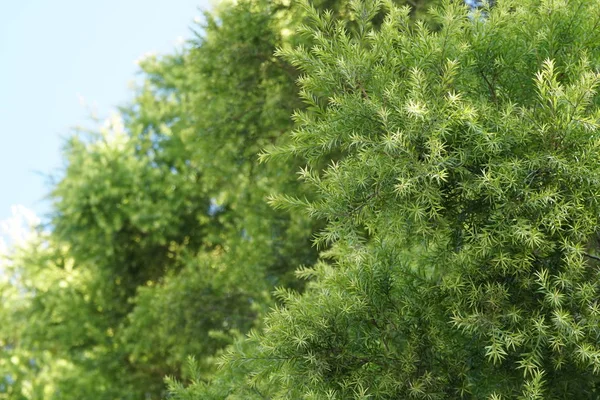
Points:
(180, 41)
(16, 231)
(19, 227)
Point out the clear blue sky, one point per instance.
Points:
(52, 52)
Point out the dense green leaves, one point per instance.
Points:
(162, 245)
(474, 148)
(449, 167)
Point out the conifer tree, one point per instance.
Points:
(461, 207)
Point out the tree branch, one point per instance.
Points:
(593, 257)
(490, 87)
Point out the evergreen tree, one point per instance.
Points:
(461, 208)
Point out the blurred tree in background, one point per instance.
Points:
(449, 154)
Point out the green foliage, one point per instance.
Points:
(162, 244)
(450, 161)
(461, 205)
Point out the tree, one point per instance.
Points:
(461, 208)
(161, 243)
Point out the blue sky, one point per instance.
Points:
(53, 54)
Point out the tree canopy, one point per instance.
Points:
(329, 199)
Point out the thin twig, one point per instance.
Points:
(490, 87)
(363, 91)
(593, 257)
